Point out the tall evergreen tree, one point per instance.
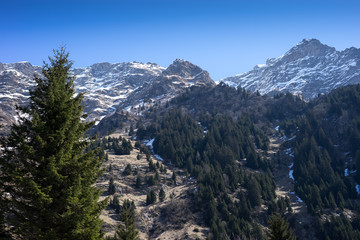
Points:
(161, 195)
(127, 231)
(45, 171)
(112, 187)
(254, 194)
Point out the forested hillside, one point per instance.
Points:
(221, 136)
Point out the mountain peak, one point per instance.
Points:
(307, 41)
(183, 69)
(179, 61)
(308, 47)
(307, 69)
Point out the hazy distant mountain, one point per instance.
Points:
(106, 85)
(307, 69)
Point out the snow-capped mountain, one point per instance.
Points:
(178, 76)
(307, 69)
(107, 86)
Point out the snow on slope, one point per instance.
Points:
(307, 69)
(106, 87)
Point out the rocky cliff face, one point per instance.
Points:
(107, 86)
(307, 69)
(178, 76)
(16, 79)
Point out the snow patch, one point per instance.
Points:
(293, 137)
(97, 121)
(291, 171)
(357, 187)
(289, 152)
(283, 138)
(347, 172)
(261, 65)
(150, 143)
(352, 64)
(158, 157)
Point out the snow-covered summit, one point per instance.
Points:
(307, 69)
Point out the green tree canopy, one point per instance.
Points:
(279, 229)
(45, 171)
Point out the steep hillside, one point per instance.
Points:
(310, 151)
(137, 173)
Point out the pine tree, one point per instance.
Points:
(254, 192)
(151, 197)
(45, 171)
(127, 170)
(279, 229)
(3, 232)
(111, 188)
(332, 202)
(127, 231)
(173, 178)
(138, 182)
(131, 131)
(161, 195)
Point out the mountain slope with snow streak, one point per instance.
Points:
(106, 86)
(307, 69)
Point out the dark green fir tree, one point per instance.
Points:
(161, 195)
(127, 230)
(279, 229)
(46, 173)
(112, 187)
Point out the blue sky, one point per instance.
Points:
(223, 37)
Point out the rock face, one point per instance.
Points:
(307, 69)
(16, 79)
(178, 76)
(107, 86)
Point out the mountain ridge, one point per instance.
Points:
(307, 69)
(106, 86)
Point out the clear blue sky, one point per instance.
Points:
(223, 37)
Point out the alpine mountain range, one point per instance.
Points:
(308, 69)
